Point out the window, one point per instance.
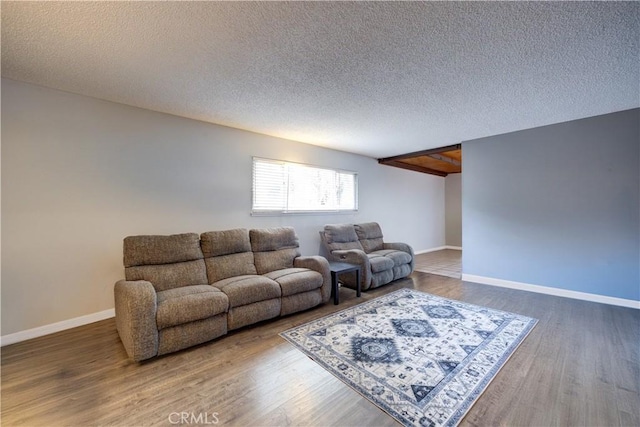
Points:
(282, 187)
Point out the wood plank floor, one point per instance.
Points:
(445, 262)
(578, 367)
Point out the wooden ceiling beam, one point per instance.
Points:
(444, 159)
(421, 153)
(411, 167)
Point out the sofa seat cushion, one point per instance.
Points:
(189, 303)
(379, 262)
(399, 257)
(296, 280)
(247, 289)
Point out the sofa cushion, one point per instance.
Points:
(227, 254)
(296, 280)
(379, 263)
(370, 236)
(274, 248)
(165, 261)
(275, 260)
(273, 239)
(247, 289)
(341, 237)
(399, 257)
(154, 250)
(189, 303)
(169, 276)
(225, 266)
(226, 242)
(340, 233)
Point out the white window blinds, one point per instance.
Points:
(282, 187)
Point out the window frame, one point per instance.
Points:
(285, 211)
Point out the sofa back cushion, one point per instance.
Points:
(227, 254)
(166, 261)
(341, 237)
(274, 248)
(370, 236)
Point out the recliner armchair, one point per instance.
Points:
(363, 245)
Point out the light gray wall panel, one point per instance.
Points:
(557, 206)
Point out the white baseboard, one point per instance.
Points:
(551, 291)
(424, 251)
(56, 327)
(439, 248)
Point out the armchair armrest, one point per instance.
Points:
(358, 257)
(321, 265)
(136, 306)
(401, 247)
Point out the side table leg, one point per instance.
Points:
(358, 286)
(334, 287)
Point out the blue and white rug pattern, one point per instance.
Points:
(421, 358)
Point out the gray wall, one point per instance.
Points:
(453, 209)
(557, 206)
(80, 174)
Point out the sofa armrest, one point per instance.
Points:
(353, 256)
(136, 306)
(321, 265)
(358, 257)
(401, 247)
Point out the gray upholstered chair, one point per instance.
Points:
(363, 244)
(166, 303)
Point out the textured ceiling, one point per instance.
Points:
(374, 78)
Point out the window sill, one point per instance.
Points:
(288, 213)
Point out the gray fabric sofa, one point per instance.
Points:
(184, 289)
(362, 244)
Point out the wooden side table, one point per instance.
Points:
(338, 268)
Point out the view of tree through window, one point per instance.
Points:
(292, 187)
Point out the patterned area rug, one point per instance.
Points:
(421, 358)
